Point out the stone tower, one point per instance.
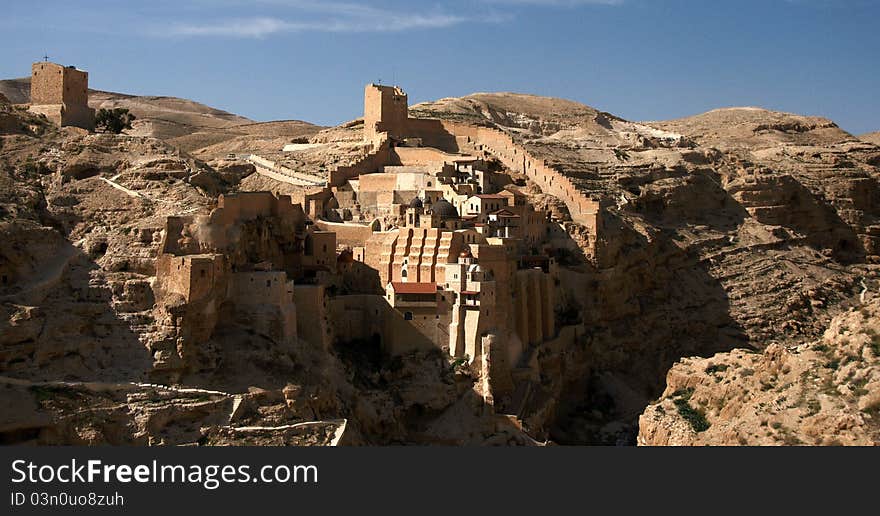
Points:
(62, 94)
(386, 110)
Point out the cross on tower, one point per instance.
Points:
(46, 58)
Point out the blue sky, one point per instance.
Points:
(309, 59)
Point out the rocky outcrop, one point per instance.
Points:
(822, 393)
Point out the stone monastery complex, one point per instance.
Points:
(463, 266)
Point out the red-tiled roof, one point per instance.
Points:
(504, 213)
(469, 292)
(414, 288)
(489, 196)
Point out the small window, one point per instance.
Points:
(268, 283)
(407, 316)
(203, 272)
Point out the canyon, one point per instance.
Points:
(707, 280)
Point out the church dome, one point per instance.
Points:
(444, 209)
(415, 202)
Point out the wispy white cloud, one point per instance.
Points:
(320, 17)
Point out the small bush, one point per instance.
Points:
(113, 120)
(719, 368)
(693, 416)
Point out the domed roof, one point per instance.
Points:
(415, 202)
(444, 209)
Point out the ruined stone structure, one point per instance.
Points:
(251, 262)
(62, 94)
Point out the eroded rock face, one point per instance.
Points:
(738, 230)
(823, 393)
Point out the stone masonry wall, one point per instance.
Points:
(62, 94)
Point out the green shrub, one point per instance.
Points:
(719, 368)
(113, 120)
(695, 417)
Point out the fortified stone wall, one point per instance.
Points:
(194, 277)
(424, 156)
(365, 317)
(376, 190)
(372, 162)
(349, 235)
(533, 306)
(385, 109)
(243, 206)
(583, 210)
(312, 324)
(264, 301)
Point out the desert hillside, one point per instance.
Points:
(871, 138)
(736, 228)
(737, 240)
(193, 127)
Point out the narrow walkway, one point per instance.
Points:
(278, 172)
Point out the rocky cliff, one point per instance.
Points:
(825, 392)
(739, 235)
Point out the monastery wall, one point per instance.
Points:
(383, 114)
(363, 317)
(584, 210)
(420, 156)
(372, 162)
(433, 133)
(264, 301)
(195, 277)
(349, 235)
(376, 190)
(312, 325)
(533, 306)
(242, 206)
